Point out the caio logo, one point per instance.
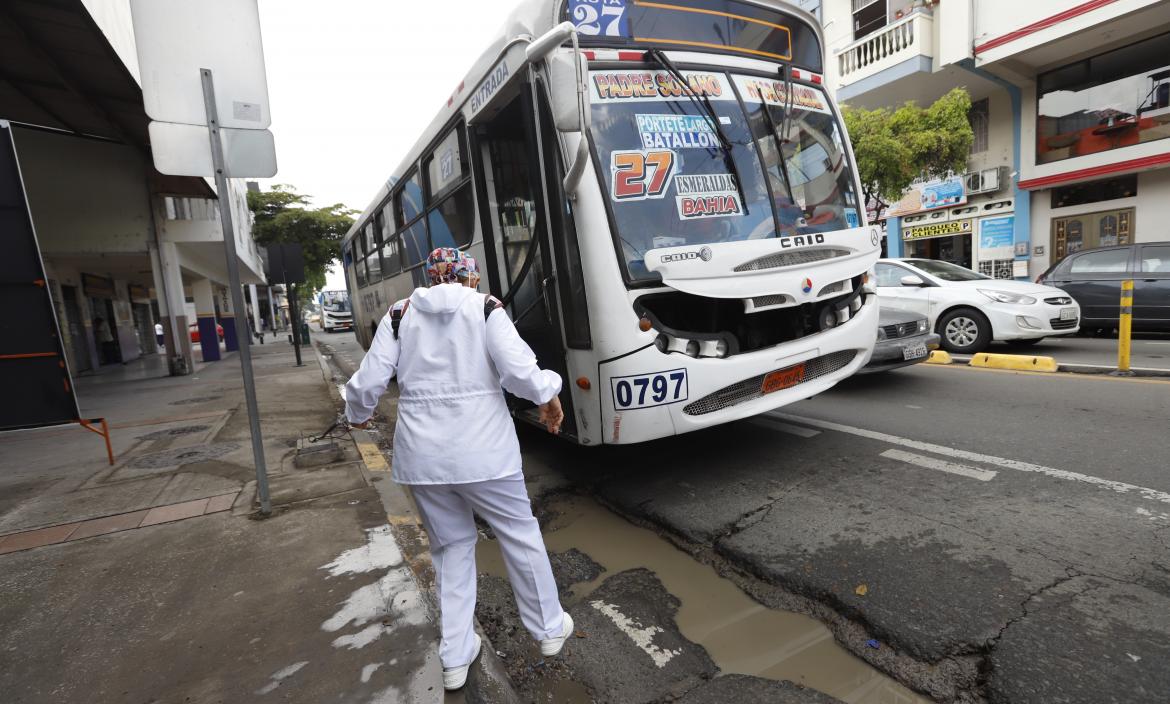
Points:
(705, 254)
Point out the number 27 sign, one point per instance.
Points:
(638, 175)
(606, 18)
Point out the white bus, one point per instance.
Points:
(336, 312)
(664, 196)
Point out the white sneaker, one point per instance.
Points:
(456, 677)
(552, 646)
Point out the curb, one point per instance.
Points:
(939, 357)
(486, 684)
(1014, 362)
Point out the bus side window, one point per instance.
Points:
(374, 258)
(451, 217)
(391, 255)
(575, 310)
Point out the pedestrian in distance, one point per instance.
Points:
(105, 338)
(158, 334)
(455, 351)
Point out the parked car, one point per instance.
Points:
(1093, 278)
(193, 329)
(969, 310)
(903, 338)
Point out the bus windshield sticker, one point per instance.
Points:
(641, 174)
(653, 86)
(604, 18)
(851, 217)
(762, 90)
(707, 196)
(676, 132)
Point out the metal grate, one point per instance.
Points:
(1059, 301)
(897, 330)
(749, 389)
(1058, 324)
(806, 256)
(838, 287)
(772, 300)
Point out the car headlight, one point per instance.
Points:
(1005, 297)
(922, 325)
(881, 334)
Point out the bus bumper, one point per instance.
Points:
(723, 390)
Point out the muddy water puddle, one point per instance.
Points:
(741, 635)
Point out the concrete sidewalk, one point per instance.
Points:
(154, 581)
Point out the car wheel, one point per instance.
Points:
(964, 331)
(1030, 341)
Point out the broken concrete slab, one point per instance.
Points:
(1085, 640)
(632, 650)
(300, 486)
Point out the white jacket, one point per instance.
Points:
(453, 423)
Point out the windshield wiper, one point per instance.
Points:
(709, 113)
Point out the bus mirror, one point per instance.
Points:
(543, 45)
(566, 102)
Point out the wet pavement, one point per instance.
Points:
(970, 535)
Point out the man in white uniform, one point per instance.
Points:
(454, 352)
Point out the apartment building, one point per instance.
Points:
(1071, 115)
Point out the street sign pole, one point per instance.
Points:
(229, 245)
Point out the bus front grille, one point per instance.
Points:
(782, 259)
(749, 389)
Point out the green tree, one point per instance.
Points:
(894, 147)
(284, 216)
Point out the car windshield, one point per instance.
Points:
(668, 178)
(946, 271)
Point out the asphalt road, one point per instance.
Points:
(999, 535)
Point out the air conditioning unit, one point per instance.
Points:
(985, 181)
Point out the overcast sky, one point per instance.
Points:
(352, 84)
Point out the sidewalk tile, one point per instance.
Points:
(109, 524)
(174, 512)
(36, 538)
(221, 503)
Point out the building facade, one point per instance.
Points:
(1070, 110)
(126, 250)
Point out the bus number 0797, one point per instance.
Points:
(649, 390)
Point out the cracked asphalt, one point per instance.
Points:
(1004, 537)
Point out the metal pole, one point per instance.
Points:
(294, 313)
(229, 245)
(1125, 329)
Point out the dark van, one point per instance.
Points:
(1093, 277)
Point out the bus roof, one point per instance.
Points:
(530, 18)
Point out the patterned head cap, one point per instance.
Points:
(446, 265)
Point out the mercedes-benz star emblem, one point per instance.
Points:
(705, 254)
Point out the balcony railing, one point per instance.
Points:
(908, 37)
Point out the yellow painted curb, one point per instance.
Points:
(939, 357)
(372, 456)
(1016, 362)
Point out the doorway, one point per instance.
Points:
(514, 221)
(81, 360)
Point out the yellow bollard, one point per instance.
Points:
(1125, 328)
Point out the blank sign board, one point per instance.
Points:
(176, 38)
(185, 150)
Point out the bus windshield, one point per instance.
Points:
(335, 301)
(667, 175)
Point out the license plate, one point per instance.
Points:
(1068, 313)
(783, 379)
(914, 352)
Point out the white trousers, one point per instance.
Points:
(446, 511)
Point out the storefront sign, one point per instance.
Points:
(938, 229)
(97, 286)
(996, 238)
(139, 293)
(930, 196)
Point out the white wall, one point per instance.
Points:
(996, 18)
(87, 196)
(1000, 135)
(1152, 223)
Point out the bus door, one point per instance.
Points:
(514, 219)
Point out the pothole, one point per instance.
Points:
(174, 432)
(741, 635)
(183, 455)
(195, 399)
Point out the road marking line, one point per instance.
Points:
(372, 456)
(643, 636)
(1119, 487)
(774, 424)
(983, 475)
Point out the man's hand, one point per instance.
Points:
(551, 415)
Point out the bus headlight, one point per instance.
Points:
(721, 348)
(827, 318)
(693, 348)
(662, 342)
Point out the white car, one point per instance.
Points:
(969, 310)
